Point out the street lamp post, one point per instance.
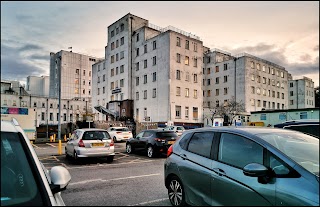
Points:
(59, 120)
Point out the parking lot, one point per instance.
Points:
(130, 180)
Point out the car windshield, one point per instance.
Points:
(169, 128)
(302, 148)
(93, 135)
(122, 129)
(18, 183)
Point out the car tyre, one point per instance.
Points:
(150, 152)
(75, 156)
(176, 192)
(129, 149)
(114, 139)
(110, 159)
(67, 155)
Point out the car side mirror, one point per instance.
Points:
(255, 170)
(60, 178)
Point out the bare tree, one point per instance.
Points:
(230, 109)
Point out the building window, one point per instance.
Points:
(122, 41)
(195, 47)
(273, 94)
(154, 93)
(195, 78)
(195, 94)
(112, 72)
(137, 95)
(263, 117)
(137, 66)
(225, 79)
(145, 49)
(112, 85)
(51, 117)
(208, 59)
(264, 80)
(178, 91)
(252, 90)
(145, 94)
(217, 68)
(122, 69)
(178, 112)
(208, 82)
(154, 44)
(252, 77)
(154, 76)
(145, 79)
(145, 63)
(121, 27)
(112, 59)
(264, 104)
(259, 103)
(112, 46)
(137, 37)
(264, 68)
(195, 112)
(187, 92)
(252, 101)
(217, 92)
(209, 93)
(278, 94)
(291, 102)
(178, 73)
(178, 58)
(258, 66)
(225, 66)
(112, 33)
(137, 81)
(121, 82)
(258, 79)
(178, 42)
(137, 52)
(187, 44)
(258, 91)
(225, 91)
(291, 93)
(252, 64)
(217, 103)
(122, 55)
(186, 60)
(282, 95)
(42, 116)
(186, 112)
(154, 60)
(195, 62)
(217, 80)
(84, 72)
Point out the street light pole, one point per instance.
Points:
(59, 120)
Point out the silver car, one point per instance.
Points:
(90, 142)
(24, 179)
(243, 166)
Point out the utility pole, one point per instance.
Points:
(59, 121)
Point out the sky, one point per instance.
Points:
(283, 32)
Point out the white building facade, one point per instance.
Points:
(301, 93)
(76, 77)
(159, 69)
(38, 86)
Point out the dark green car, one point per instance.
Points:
(243, 166)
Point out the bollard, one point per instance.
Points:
(65, 137)
(51, 138)
(60, 147)
(69, 135)
(54, 137)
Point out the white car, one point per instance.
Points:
(119, 133)
(178, 129)
(90, 142)
(24, 179)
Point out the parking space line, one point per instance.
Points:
(124, 178)
(102, 165)
(50, 145)
(35, 146)
(148, 202)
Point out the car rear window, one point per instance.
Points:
(122, 129)
(166, 134)
(93, 135)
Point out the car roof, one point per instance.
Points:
(244, 130)
(118, 127)
(8, 126)
(91, 129)
(300, 122)
(157, 130)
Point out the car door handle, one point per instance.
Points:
(183, 156)
(219, 171)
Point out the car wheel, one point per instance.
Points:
(110, 159)
(129, 149)
(176, 192)
(150, 152)
(114, 139)
(67, 155)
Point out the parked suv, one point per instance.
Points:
(178, 129)
(24, 179)
(153, 141)
(119, 133)
(308, 126)
(243, 166)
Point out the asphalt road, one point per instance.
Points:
(130, 180)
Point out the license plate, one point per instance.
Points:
(125, 137)
(171, 142)
(97, 144)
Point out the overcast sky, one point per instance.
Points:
(285, 33)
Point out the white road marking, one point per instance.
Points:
(50, 145)
(110, 164)
(101, 180)
(35, 146)
(148, 202)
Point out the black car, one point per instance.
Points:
(307, 126)
(153, 141)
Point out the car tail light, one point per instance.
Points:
(111, 143)
(170, 151)
(118, 132)
(81, 144)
